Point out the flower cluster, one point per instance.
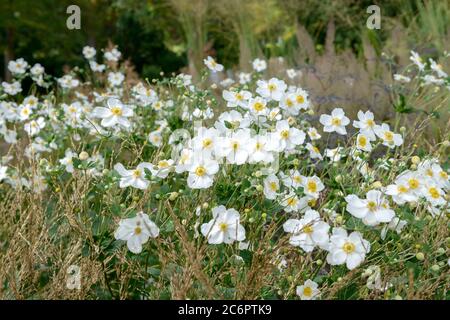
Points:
(255, 136)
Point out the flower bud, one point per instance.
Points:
(83, 155)
(415, 160)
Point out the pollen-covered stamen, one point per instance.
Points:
(413, 183)
(117, 111)
(311, 186)
(434, 193)
(258, 106)
(348, 247)
(200, 171)
(307, 292)
(388, 136)
(223, 227)
(285, 134)
(206, 142)
(136, 173)
(336, 122)
(372, 206)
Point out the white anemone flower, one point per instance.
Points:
(335, 122)
(225, 226)
(201, 172)
(116, 113)
(134, 178)
(366, 124)
(308, 232)
(136, 231)
(212, 64)
(373, 210)
(390, 139)
(349, 249)
(308, 291)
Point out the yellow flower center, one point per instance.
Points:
(137, 230)
(443, 175)
(223, 227)
(362, 141)
(388, 136)
(312, 186)
(163, 164)
(307, 291)
(207, 142)
(434, 193)
(258, 146)
(117, 111)
(297, 179)
(239, 97)
(402, 189)
(308, 229)
(285, 134)
(371, 205)
(292, 202)
(137, 173)
(272, 87)
(200, 171)
(258, 106)
(273, 185)
(429, 172)
(336, 122)
(413, 183)
(348, 247)
(370, 123)
(289, 102)
(300, 99)
(235, 145)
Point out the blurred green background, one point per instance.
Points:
(166, 35)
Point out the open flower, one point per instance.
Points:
(271, 186)
(308, 290)
(236, 98)
(67, 160)
(259, 65)
(390, 139)
(271, 90)
(308, 232)
(292, 203)
(225, 226)
(363, 143)
(115, 79)
(372, 210)
(134, 178)
(116, 113)
(136, 231)
(286, 137)
(18, 66)
(235, 147)
(349, 249)
(312, 186)
(212, 64)
(366, 124)
(89, 52)
(34, 126)
(162, 168)
(335, 122)
(201, 172)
